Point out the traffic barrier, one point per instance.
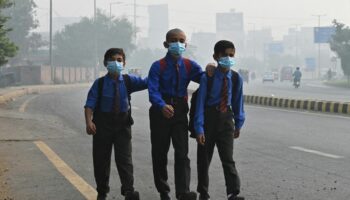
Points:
(300, 104)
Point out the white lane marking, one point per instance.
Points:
(305, 112)
(135, 108)
(82, 186)
(23, 107)
(316, 152)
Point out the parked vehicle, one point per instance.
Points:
(286, 73)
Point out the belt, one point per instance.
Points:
(217, 108)
(175, 100)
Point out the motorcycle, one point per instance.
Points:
(296, 83)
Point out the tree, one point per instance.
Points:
(7, 48)
(74, 45)
(22, 22)
(340, 43)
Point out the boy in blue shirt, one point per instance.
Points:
(108, 119)
(168, 80)
(218, 120)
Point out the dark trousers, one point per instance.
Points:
(163, 131)
(218, 131)
(112, 133)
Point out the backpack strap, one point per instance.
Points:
(188, 66)
(234, 79)
(127, 83)
(163, 65)
(100, 83)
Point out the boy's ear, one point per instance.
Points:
(166, 45)
(215, 57)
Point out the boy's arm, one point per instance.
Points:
(91, 99)
(153, 87)
(238, 105)
(138, 83)
(201, 99)
(196, 72)
(89, 108)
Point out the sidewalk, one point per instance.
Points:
(11, 93)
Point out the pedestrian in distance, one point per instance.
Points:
(219, 117)
(108, 119)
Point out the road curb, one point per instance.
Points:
(300, 104)
(21, 91)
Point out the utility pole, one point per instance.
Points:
(135, 22)
(319, 45)
(95, 43)
(50, 48)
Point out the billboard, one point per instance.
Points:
(323, 34)
(275, 47)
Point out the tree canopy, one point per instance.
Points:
(7, 48)
(75, 46)
(340, 43)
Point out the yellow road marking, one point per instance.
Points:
(84, 188)
(23, 107)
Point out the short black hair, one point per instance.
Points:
(112, 52)
(222, 45)
(173, 31)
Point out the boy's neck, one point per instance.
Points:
(223, 70)
(114, 76)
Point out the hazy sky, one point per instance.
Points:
(199, 15)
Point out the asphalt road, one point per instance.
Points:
(281, 154)
(314, 90)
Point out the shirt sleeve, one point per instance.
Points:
(92, 96)
(138, 83)
(238, 105)
(155, 96)
(201, 99)
(196, 72)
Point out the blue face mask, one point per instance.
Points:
(115, 67)
(227, 62)
(177, 48)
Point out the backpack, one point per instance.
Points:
(234, 80)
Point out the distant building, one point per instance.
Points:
(158, 25)
(203, 43)
(256, 41)
(229, 26)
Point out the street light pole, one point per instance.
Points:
(50, 48)
(135, 22)
(95, 42)
(319, 46)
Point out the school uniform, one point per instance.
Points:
(112, 117)
(168, 85)
(219, 111)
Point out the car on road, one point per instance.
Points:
(286, 73)
(268, 77)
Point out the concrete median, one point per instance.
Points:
(300, 104)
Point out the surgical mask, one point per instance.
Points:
(177, 48)
(115, 67)
(227, 62)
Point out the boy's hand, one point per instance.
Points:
(168, 111)
(236, 133)
(210, 69)
(91, 128)
(201, 139)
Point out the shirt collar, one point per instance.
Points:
(120, 78)
(169, 58)
(221, 75)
